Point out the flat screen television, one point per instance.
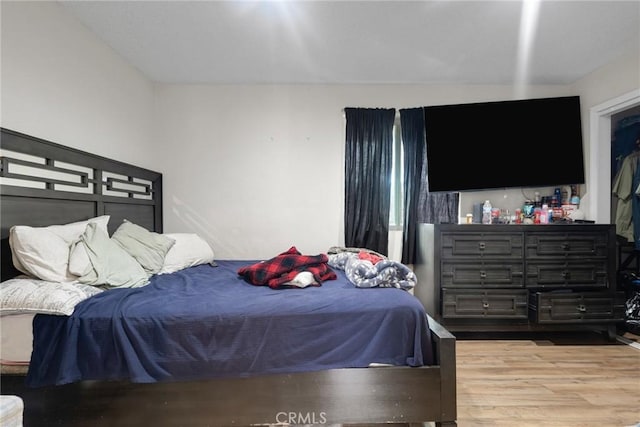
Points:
(504, 144)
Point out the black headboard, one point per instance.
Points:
(44, 183)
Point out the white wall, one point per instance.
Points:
(60, 83)
(255, 169)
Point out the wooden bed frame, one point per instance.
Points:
(106, 187)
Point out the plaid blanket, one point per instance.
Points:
(282, 269)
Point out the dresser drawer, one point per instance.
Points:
(484, 274)
(576, 307)
(566, 245)
(489, 304)
(567, 274)
(474, 245)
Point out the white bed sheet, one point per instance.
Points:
(16, 339)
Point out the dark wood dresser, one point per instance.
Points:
(522, 277)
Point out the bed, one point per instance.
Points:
(267, 374)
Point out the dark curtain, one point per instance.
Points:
(414, 155)
(368, 161)
(437, 208)
(420, 206)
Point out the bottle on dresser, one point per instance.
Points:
(486, 212)
(544, 214)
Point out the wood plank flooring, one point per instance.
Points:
(565, 382)
(516, 381)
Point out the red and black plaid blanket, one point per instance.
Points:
(279, 270)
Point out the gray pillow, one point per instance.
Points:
(110, 264)
(147, 247)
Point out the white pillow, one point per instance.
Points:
(188, 250)
(109, 263)
(26, 295)
(43, 252)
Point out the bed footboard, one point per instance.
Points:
(362, 396)
(445, 351)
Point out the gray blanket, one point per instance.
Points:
(365, 274)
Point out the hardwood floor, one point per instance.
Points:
(563, 382)
(505, 381)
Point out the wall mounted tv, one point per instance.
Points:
(504, 144)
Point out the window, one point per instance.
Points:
(396, 212)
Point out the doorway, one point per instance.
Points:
(625, 152)
(625, 131)
(599, 177)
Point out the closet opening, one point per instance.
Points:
(625, 186)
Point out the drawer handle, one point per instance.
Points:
(485, 304)
(483, 274)
(582, 308)
(482, 246)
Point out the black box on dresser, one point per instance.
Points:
(491, 278)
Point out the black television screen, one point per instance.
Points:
(504, 144)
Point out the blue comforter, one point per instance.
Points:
(207, 322)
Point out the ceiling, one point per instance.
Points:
(359, 42)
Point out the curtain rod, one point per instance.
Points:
(344, 114)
